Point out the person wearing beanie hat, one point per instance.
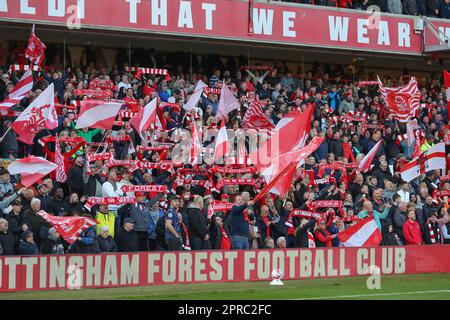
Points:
(53, 244)
(26, 244)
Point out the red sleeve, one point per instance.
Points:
(322, 238)
(406, 234)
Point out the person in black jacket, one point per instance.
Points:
(75, 176)
(53, 244)
(105, 242)
(27, 247)
(38, 225)
(301, 233)
(198, 231)
(126, 238)
(160, 230)
(8, 241)
(17, 221)
(390, 238)
(58, 205)
(218, 230)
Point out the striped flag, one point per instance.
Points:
(35, 49)
(20, 91)
(363, 234)
(31, 169)
(61, 175)
(403, 102)
(196, 146)
(255, 118)
(222, 146)
(97, 114)
(366, 163)
(227, 102)
(144, 119)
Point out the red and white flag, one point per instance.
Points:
(292, 135)
(31, 169)
(298, 156)
(196, 146)
(411, 126)
(61, 175)
(222, 146)
(366, 162)
(363, 234)
(20, 91)
(403, 102)
(144, 119)
(69, 228)
(40, 114)
(35, 49)
(227, 102)
(255, 118)
(447, 90)
(282, 181)
(195, 97)
(432, 159)
(97, 114)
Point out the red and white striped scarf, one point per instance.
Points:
(186, 244)
(23, 67)
(20, 91)
(433, 236)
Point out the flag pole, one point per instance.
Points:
(6, 132)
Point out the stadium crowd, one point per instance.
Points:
(427, 8)
(406, 213)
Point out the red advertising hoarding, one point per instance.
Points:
(159, 268)
(284, 23)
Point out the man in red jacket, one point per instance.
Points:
(411, 229)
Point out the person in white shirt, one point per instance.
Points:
(124, 83)
(404, 192)
(111, 188)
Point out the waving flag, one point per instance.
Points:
(403, 102)
(35, 49)
(366, 163)
(31, 169)
(97, 114)
(291, 136)
(40, 114)
(20, 91)
(195, 97)
(447, 91)
(282, 181)
(196, 146)
(69, 228)
(432, 159)
(222, 146)
(144, 119)
(363, 234)
(255, 118)
(227, 102)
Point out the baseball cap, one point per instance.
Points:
(139, 194)
(128, 220)
(5, 76)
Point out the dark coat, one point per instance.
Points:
(106, 245)
(126, 241)
(50, 246)
(75, 180)
(301, 233)
(8, 241)
(198, 224)
(27, 248)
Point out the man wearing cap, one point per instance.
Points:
(126, 238)
(106, 218)
(173, 238)
(139, 213)
(46, 201)
(53, 244)
(18, 222)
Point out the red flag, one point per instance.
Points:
(97, 114)
(403, 102)
(363, 234)
(447, 90)
(35, 49)
(255, 118)
(367, 161)
(144, 119)
(68, 227)
(39, 115)
(222, 146)
(61, 175)
(286, 175)
(31, 169)
(289, 136)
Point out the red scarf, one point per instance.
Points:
(432, 236)
(187, 244)
(225, 243)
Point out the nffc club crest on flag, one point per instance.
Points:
(399, 102)
(38, 116)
